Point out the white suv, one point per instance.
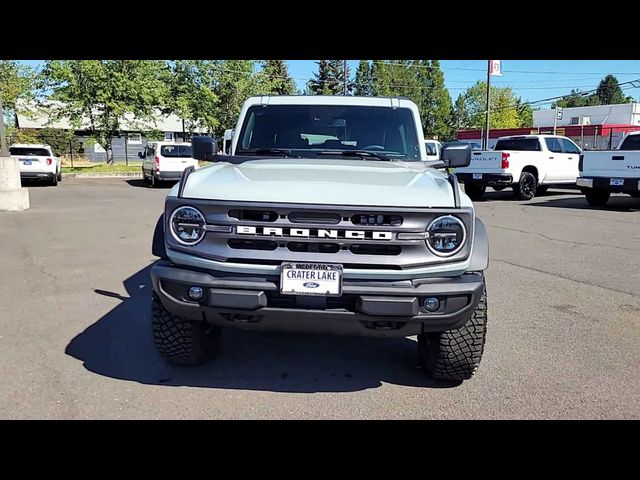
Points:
(163, 161)
(37, 161)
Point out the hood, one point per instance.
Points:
(323, 181)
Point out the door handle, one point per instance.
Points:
(550, 158)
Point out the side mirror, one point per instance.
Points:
(456, 154)
(140, 154)
(203, 148)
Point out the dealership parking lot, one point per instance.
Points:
(75, 339)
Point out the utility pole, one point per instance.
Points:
(485, 145)
(346, 79)
(4, 151)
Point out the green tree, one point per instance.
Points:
(277, 76)
(460, 117)
(610, 93)
(236, 82)
(362, 84)
(190, 93)
(16, 82)
(97, 94)
(329, 80)
(504, 106)
(433, 99)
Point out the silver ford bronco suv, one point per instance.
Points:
(325, 217)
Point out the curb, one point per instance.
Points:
(103, 175)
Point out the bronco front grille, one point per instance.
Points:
(355, 237)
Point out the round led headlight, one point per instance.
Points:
(446, 235)
(187, 225)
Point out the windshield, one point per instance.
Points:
(305, 129)
(175, 151)
(29, 151)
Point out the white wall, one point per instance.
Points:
(628, 113)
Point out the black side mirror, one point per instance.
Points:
(140, 154)
(456, 154)
(204, 148)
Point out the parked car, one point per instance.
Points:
(611, 171)
(433, 149)
(326, 218)
(527, 163)
(37, 161)
(165, 161)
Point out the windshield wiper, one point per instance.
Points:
(268, 151)
(355, 153)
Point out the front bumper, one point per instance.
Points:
(490, 179)
(366, 308)
(37, 175)
(630, 185)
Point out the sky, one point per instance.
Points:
(530, 79)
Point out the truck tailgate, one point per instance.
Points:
(610, 163)
(483, 162)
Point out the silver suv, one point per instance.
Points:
(326, 217)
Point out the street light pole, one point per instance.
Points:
(486, 130)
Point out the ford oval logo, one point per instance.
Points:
(311, 284)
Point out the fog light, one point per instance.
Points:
(196, 293)
(431, 304)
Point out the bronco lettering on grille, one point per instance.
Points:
(313, 233)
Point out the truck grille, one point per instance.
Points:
(358, 238)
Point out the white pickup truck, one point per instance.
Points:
(617, 171)
(527, 163)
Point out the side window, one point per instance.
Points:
(569, 146)
(553, 144)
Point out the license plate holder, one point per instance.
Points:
(25, 162)
(477, 176)
(618, 182)
(311, 279)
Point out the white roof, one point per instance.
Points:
(329, 100)
(30, 145)
(39, 116)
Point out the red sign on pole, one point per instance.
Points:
(495, 68)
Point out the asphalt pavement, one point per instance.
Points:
(75, 336)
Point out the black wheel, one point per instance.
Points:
(499, 188)
(475, 192)
(525, 189)
(59, 176)
(541, 190)
(596, 197)
(54, 180)
(455, 354)
(182, 341)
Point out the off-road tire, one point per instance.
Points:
(455, 354)
(526, 187)
(182, 341)
(541, 190)
(475, 192)
(596, 197)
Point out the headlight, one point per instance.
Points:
(187, 225)
(446, 235)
